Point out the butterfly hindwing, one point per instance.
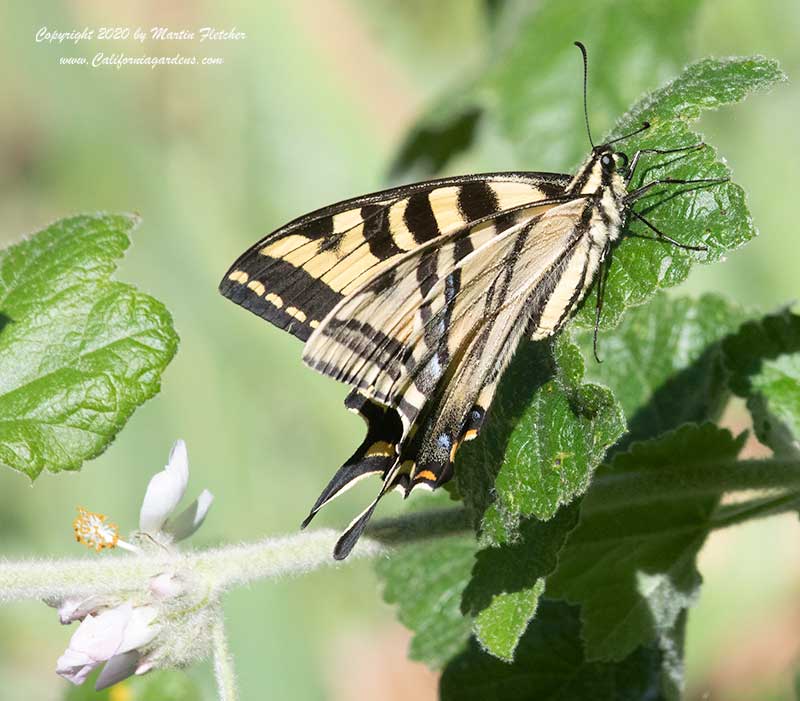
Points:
(522, 287)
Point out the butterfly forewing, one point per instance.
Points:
(296, 275)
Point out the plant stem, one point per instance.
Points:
(223, 661)
(760, 507)
(221, 567)
(296, 554)
(609, 491)
(95, 574)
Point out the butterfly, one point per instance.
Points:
(417, 297)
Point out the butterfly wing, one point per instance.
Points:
(418, 297)
(296, 275)
(525, 279)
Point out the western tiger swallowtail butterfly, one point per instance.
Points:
(417, 297)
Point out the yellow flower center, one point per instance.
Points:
(94, 531)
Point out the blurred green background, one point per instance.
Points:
(309, 109)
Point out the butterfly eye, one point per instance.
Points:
(607, 161)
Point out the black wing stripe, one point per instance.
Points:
(477, 200)
(376, 231)
(419, 218)
(374, 348)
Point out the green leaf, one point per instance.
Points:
(508, 580)
(544, 435)
(757, 341)
(550, 664)
(520, 102)
(78, 351)
(762, 358)
(712, 215)
(630, 563)
(449, 587)
(665, 363)
(776, 407)
(518, 107)
(426, 581)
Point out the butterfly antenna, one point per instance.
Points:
(645, 126)
(585, 82)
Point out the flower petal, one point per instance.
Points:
(140, 629)
(165, 490)
(145, 665)
(99, 637)
(117, 668)
(191, 518)
(75, 666)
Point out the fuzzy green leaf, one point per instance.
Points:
(78, 351)
(527, 111)
(544, 435)
(712, 215)
(550, 664)
(630, 563)
(757, 341)
(426, 582)
(450, 587)
(664, 362)
(508, 580)
(762, 359)
(776, 407)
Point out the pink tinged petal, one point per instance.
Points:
(191, 518)
(140, 629)
(145, 666)
(117, 668)
(75, 666)
(166, 586)
(165, 490)
(99, 637)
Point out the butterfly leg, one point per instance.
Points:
(644, 189)
(663, 237)
(640, 152)
(605, 263)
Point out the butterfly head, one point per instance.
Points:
(601, 172)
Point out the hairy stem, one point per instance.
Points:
(759, 507)
(223, 661)
(609, 491)
(295, 554)
(221, 568)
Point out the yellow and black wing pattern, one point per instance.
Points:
(417, 297)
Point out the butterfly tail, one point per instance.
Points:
(349, 538)
(375, 456)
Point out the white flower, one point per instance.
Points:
(113, 636)
(122, 632)
(164, 492)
